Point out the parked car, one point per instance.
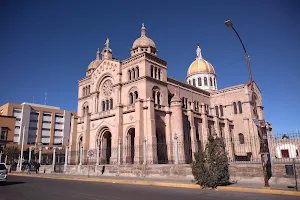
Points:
(3, 173)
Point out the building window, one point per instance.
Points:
(199, 82)
(194, 82)
(111, 104)
(33, 120)
(45, 114)
(3, 135)
(129, 75)
(240, 107)
(221, 110)
(136, 95)
(158, 98)
(107, 104)
(155, 72)
(103, 106)
(46, 129)
(83, 91)
(234, 108)
(215, 82)
(130, 98)
(205, 81)
(158, 74)
(210, 80)
(217, 111)
(59, 116)
(17, 127)
(32, 128)
(152, 69)
(137, 72)
(189, 82)
(285, 153)
(241, 138)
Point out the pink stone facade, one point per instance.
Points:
(133, 102)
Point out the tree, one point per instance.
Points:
(210, 168)
(12, 153)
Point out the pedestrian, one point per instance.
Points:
(28, 167)
(37, 167)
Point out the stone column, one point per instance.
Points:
(145, 151)
(228, 141)
(80, 155)
(66, 156)
(119, 151)
(176, 149)
(169, 137)
(139, 133)
(193, 129)
(40, 155)
(97, 154)
(53, 159)
(151, 132)
(177, 125)
(217, 126)
(205, 131)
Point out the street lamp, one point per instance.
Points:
(229, 24)
(22, 145)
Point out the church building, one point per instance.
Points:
(131, 112)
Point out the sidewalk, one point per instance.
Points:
(241, 186)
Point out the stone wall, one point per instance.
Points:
(238, 171)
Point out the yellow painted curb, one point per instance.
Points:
(165, 184)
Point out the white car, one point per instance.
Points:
(3, 173)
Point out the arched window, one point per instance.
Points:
(111, 104)
(241, 138)
(136, 95)
(133, 73)
(83, 110)
(137, 72)
(199, 82)
(240, 107)
(129, 75)
(194, 82)
(221, 110)
(153, 96)
(158, 98)
(152, 70)
(234, 108)
(103, 106)
(155, 72)
(215, 82)
(87, 109)
(89, 89)
(158, 74)
(107, 104)
(210, 80)
(217, 111)
(83, 91)
(189, 82)
(131, 98)
(205, 81)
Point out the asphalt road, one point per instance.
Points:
(29, 188)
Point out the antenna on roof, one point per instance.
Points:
(45, 98)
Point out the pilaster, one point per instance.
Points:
(191, 119)
(139, 135)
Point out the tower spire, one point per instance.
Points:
(98, 54)
(143, 30)
(198, 52)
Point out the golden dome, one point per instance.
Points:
(143, 41)
(200, 65)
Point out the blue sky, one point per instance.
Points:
(46, 46)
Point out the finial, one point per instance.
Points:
(198, 52)
(143, 30)
(98, 54)
(107, 43)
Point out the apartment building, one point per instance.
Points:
(41, 124)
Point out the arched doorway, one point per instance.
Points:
(105, 148)
(162, 157)
(130, 146)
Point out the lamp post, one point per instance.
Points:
(229, 24)
(22, 146)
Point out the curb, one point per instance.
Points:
(168, 184)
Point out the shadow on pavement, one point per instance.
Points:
(12, 183)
